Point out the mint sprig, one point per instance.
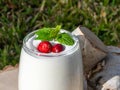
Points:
(65, 38)
(47, 33)
(53, 33)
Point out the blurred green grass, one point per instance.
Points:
(19, 17)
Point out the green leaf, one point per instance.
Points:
(47, 33)
(65, 38)
(43, 34)
(55, 31)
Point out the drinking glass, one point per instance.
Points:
(59, 71)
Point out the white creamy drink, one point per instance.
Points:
(50, 71)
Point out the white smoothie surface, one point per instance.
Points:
(32, 44)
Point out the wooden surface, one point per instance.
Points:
(92, 48)
(9, 80)
(108, 78)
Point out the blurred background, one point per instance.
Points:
(19, 17)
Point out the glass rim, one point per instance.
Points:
(36, 53)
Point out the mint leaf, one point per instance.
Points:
(47, 33)
(43, 34)
(65, 38)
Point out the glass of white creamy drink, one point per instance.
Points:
(50, 71)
